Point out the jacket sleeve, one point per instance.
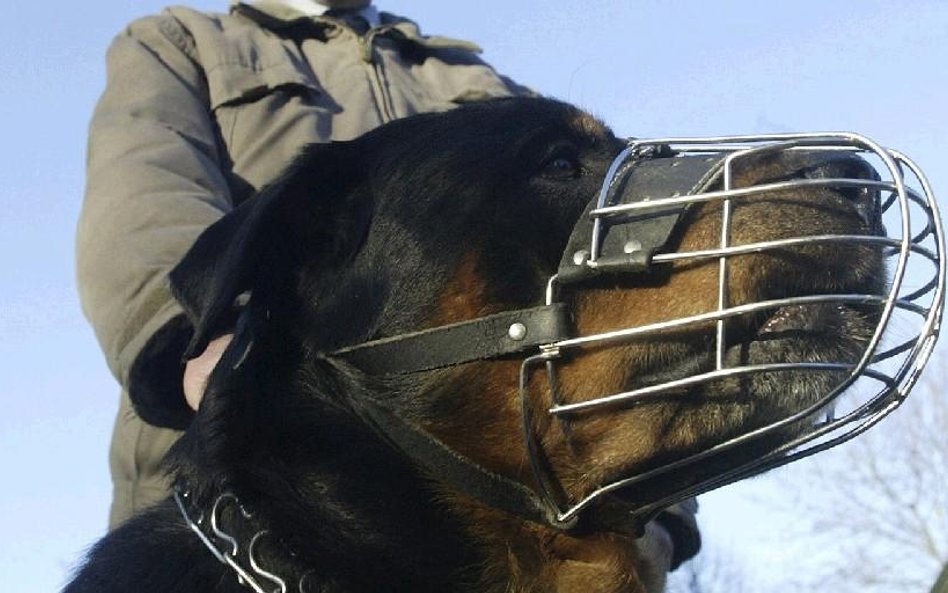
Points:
(682, 525)
(154, 182)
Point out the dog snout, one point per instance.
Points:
(850, 168)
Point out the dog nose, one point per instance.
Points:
(841, 165)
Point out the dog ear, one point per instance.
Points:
(218, 266)
(226, 259)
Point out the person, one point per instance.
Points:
(199, 111)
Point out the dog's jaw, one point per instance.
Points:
(530, 558)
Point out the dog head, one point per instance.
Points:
(445, 218)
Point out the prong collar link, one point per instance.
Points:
(225, 546)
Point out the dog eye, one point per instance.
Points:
(561, 167)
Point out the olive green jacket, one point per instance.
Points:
(199, 111)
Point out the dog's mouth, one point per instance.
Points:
(811, 333)
(794, 357)
(815, 332)
(827, 333)
(796, 353)
(789, 317)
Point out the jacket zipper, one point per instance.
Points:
(383, 99)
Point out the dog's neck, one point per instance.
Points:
(279, 535)
(520, 556)
(232, 534)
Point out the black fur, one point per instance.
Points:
(354, 241)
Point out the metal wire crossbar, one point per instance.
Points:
(873, 386)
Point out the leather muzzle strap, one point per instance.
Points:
(463, 474)
(493, 336)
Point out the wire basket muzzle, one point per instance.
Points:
(630, 234)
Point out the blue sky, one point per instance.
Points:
(647, 67)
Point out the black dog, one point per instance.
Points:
(300, 454)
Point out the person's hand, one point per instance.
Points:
(197, 370)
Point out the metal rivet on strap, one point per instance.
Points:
(517, 332)
(632, 246)
(579, 258)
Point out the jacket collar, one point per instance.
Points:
(292, 10)
(280, 13)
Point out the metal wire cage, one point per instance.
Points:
(909, 319)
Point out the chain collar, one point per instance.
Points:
(243, 557)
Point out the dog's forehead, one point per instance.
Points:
(589, 125)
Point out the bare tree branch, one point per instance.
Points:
(714, 570)
(876, 508)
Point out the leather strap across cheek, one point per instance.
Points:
(466, 476)
(490, 337)
(493, 336)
